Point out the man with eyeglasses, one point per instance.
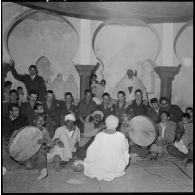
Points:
(174, 110)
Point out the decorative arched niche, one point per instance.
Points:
(123, 44)
(35, 36)
(183, 44)
(182, 86)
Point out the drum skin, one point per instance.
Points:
(24, 144)
(142, 130)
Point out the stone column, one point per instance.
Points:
(84, 72)
(167, 44)
(166, 75)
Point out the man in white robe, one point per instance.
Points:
(108, 155)
(129, 84)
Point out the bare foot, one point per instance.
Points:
(43, 174)
(184, 162)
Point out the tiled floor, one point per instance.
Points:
(160, 176)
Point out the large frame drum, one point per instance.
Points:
(23, 145)
(142, 130)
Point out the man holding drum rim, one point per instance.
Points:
(27, 146)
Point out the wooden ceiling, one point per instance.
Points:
(150, 12)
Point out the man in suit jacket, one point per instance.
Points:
(32, 81)
(174, 110)
(52, 107)
(166, 134)
(106, 107)
(27, 107)
(12, 121)
(86, 107)
(139, 106)
(67, 106)
(13, 98)
(153, 111)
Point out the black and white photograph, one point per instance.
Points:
(96, 96)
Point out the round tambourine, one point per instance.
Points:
(23, 145)
(142, 130)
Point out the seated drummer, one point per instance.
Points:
(166, 135)
(92, 126)
(39, 159)
(12, 121)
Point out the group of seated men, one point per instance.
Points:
(90, 119)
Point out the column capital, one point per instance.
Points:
(167, 71)
(86, 69)
(166, 74)
(84, 72)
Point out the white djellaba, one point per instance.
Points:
(108, 155)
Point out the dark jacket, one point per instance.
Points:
(37, 83)
(10, 126)
(64, 110)
(106, 111)
(175, 113)
(140, 109)
(54, 111)
(154, 115)
(28, 111)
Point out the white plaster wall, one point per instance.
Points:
(182, 86)
(116, 47)
(9, 12)
(123, 47)
(44, 35)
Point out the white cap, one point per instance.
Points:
(112, 122)
(70, 117)
(98, 112)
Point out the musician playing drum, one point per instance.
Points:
(39, 159)
(92, 126)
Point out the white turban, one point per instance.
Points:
(98, 112)
(70, 117)
(112, 122)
